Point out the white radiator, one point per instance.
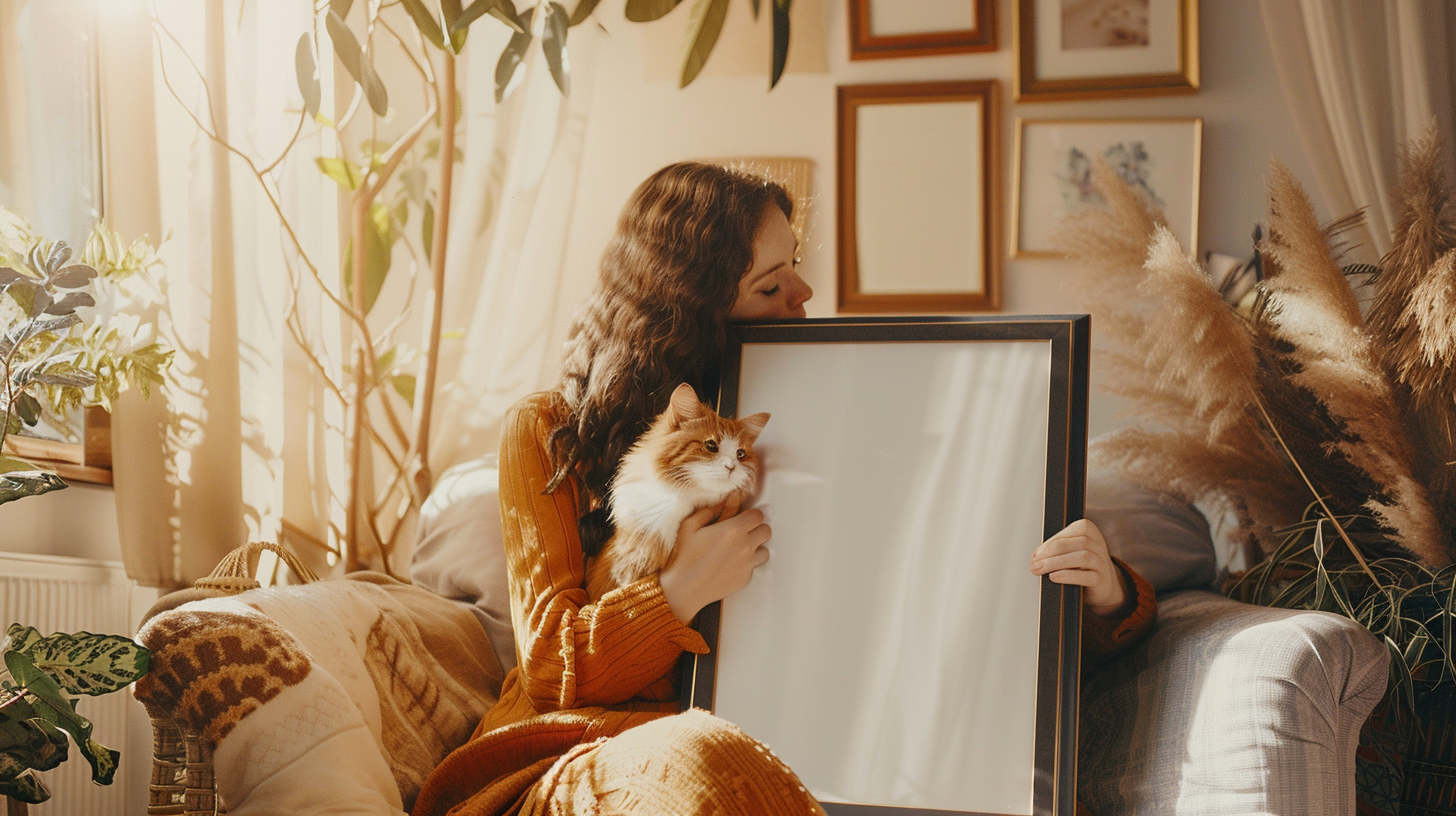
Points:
(58, 594)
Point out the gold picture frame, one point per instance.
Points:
(936, 144)
(88, 461)
(1089, 50)
(1053, 157)
(866, 44)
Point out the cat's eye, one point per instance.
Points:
(711, 445)
(742, 454)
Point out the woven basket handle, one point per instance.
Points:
(232, 573)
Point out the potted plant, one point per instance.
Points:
(36, 712)
(68, 337)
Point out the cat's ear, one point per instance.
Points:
(683, 405)
(753, 425)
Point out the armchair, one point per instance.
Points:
(338, 696)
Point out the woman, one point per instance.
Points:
(587, 722)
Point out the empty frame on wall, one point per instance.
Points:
(896, 650)
(919, 201)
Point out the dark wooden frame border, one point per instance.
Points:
(88, 462)
(849, 100)
(1029, 88)
(865, 45)
(1058, 670)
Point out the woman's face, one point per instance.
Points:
(772, 287)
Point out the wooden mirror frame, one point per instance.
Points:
(1058, 649)
(850, 98)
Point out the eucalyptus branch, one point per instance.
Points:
(262, 180)
(288, 148)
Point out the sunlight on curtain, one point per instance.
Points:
(251, 435)
(1363, 78)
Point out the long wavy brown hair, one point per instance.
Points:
(669, 277)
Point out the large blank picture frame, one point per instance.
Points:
(896, 650)
(919, 202)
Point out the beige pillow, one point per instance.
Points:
(461, 555)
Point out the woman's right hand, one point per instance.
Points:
(716, 551)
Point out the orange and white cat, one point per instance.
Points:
(688, 459)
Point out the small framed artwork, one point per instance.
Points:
(880, 29)
(895, 650)
(1083, 49)
(1054, 158)
(918, 197)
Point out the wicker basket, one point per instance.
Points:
(182, 776)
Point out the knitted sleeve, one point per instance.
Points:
(1103, 638)
(573, 653)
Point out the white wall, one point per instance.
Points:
(640, 125)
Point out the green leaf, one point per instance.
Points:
(74, 276)
(23, 785)
(553, 45)
(28, 407)
(306, 67)
(19, 484)
(373, 86)
(425, 21)
(346, 48)
(509, 64)
(780, 40)
(427, 230)
(70, 303)
(405, 385)
(645, 11)
(85, 663)
(704, 26)
(56, 709)
(9, 276)
(33, 743)
(415, 181)
(341, 7)
(19, 637)
(583, 10)
(10, 464)
(503, 10)
(347, 174)
(379, 238)
(144, 366)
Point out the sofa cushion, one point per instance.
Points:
(461, 554)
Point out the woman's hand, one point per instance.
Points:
(717, 549)
(1078, 555)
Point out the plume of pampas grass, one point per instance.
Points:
(1187, 363)
(1314, 320)
(1415, 311)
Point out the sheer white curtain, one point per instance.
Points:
(247, 443)
(1362, 78)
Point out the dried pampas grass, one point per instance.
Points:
(1304, 401)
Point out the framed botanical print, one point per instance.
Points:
(1080, 49)
(895, 650)
(1053, 166)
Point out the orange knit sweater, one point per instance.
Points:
(587, 670)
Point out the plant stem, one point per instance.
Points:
(425, 394)
(1317, 497)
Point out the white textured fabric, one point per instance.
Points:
(307, 751)
(1363, 77)
(1230, 708)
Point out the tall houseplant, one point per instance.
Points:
(396, 193)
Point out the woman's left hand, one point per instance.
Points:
(1078, 555)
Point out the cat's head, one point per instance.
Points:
(693, 446)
